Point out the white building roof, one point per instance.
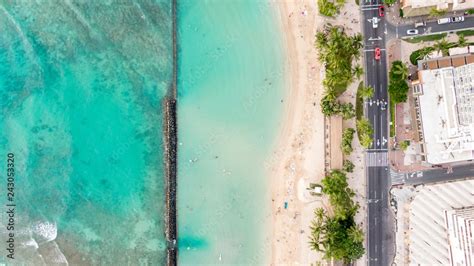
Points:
(460, 225)
(423, 239)
(447, 113)
(462, 4)
(440, 4)
(435, 54)
(458, 50)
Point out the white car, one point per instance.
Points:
(420, 24)
(412, 32)
(444, 20)
(457, 19)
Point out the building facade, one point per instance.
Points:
(444, 109)
(413, 8)
(460, 227)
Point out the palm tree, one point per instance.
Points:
(366, 92)
(366, 141)
(400, 69)
(318, 230)
(357, 71)
(356, 234)
(327, 8)
(442, 46)
(357, 41)
(462, 42)
(424, 52)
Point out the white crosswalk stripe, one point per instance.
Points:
(375, 159)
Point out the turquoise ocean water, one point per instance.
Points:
(229, 105)
(81, 84)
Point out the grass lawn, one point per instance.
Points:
(359, 102)
(359, 106)
(416, 55)
(426, 38)
(465, 32)
(392, 119)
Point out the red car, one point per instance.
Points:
(377, 53)
(381, 11)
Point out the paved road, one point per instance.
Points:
(432, 27)
(433, 176)
(380, 226)
(380, 245)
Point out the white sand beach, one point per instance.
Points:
(299, 156)
(300, 151)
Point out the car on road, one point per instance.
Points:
(444, 20)
(457, 19)
(412, 32)
(420, 24)
(377, 53)
(381, 11)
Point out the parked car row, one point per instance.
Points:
(451, 20)
(440, 21)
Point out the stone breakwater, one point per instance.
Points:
(170, 142)
(170, 133)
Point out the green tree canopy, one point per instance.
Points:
(336, 187)
(398, 91)
(327, 8)
(330, 8)
(346, 143)
(365, 131)
(338, 237)
(347, 110)
(398, 87)
(337, 50)
(357, 71)
(399, 70)
(404, 145)
(442, 46)
(348, 166)
(462, 42)
(366, 92)
(420, 54)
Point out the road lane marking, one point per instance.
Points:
(376, 150)
(381, 127)
(368, 9)
(371, 5)
(377, 159)
(435, 32)
(372, 50)
(375, 39)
